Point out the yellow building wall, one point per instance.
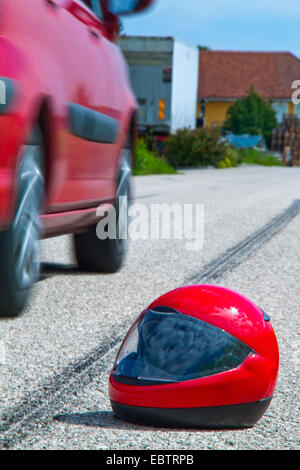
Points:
(215, 113)
(291, 108)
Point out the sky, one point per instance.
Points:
(256, 25)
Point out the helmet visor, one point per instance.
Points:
(165, 346)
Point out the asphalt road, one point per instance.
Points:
(58, 355)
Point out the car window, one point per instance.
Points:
(95, 6)
(87, 3)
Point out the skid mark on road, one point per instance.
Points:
(39, 408)
(22, 420)
(236, 255)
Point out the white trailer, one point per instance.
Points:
(164, 77)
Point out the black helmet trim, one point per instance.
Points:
(164, 346)
(238, 416)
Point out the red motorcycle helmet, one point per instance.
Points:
(200, 356)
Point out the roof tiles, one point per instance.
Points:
(230, 75)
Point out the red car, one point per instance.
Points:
(68, 121)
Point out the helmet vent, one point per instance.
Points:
(266, 316)
(164, 310)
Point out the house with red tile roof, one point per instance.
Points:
(225, 76)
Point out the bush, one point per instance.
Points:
(255, 157)
(251, 115)
(196, 148)
(232, 157)
(148, 162)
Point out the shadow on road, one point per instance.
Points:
(101, 419)
(106, 419)
(55, 269)
(49, 270)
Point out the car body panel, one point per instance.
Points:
(59, 58)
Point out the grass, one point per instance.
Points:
(256, 157)
(150, 163)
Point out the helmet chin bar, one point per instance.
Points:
(239, 416)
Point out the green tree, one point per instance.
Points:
(251, 115)
(203, 48)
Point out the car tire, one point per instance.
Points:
(107, 255)
(19, 245)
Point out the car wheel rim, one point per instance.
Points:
(27, 225)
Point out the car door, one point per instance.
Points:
(75, 37)
(93, 123)
(106, 102)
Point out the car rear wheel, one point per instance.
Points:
(19, 245)
(108, 255)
